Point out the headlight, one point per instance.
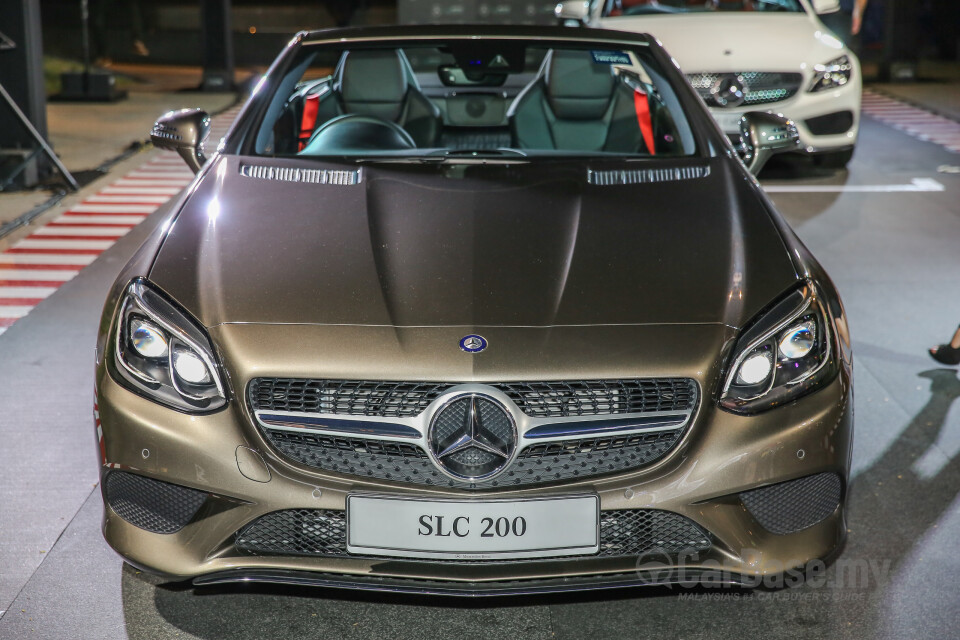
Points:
(835, 73)
(163, 354)
(784, 355)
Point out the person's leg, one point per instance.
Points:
(136, 27)
(948, 353)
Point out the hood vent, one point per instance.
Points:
(644, 176)
(309, 176)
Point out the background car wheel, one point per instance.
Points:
(833, 159)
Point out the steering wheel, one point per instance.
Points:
(354, 132)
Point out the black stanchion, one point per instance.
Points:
(217, 41)
(25, 156)
(89, 85)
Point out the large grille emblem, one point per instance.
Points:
(472, 437)
(729, 90)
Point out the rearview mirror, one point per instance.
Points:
(572, 11)
(183, 131)
(825, 6)
(762, 135)
(456, 77)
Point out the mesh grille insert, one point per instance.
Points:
(323, 532)
(345, 397)
(760, 87)
(150, 504)
(791, 506)
(595, 397)
(536, 464)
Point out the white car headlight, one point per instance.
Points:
(161, 353)
(831, 75)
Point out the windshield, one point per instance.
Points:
(472, 98)
(647, 7)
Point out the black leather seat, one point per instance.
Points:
(577, 104)
(380, 84)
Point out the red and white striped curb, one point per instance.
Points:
(36, 266)
(914, 121)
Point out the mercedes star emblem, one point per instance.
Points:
(728, 91)
(473, 343)
(472, 437)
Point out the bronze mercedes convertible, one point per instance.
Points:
(474, 311)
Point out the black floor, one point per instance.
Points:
(896, 259)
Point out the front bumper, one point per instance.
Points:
(841, 105)
(721, 456)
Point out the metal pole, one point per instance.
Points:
(39, 138)
(85, 33)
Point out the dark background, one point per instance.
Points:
(172, 27)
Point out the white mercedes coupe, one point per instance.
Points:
(752, 55)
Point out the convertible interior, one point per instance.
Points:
(438, 102)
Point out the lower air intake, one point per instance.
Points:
(323, 532)
(792, 506)
(150, 504)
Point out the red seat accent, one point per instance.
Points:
(308, 121)
(642, 106)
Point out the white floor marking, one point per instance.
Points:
(14, 311)
(13, 259)
(26, 292)
(82, 231)
(31, 243)
(60, 275)
(916, 185)
(87, 218)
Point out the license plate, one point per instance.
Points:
(419, 527)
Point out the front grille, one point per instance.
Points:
(536, 399)
(536, 464)
(760, 87)
(792, 506)
(595, 397)
(323, 532)
(150, 504)
(344, 397)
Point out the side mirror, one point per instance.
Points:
(183, 131)
(572, 12)
(821, 7)
(762, 135)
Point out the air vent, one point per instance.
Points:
(645, 176)
(309, 176)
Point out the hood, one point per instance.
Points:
(734, 41)
(523, 245)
